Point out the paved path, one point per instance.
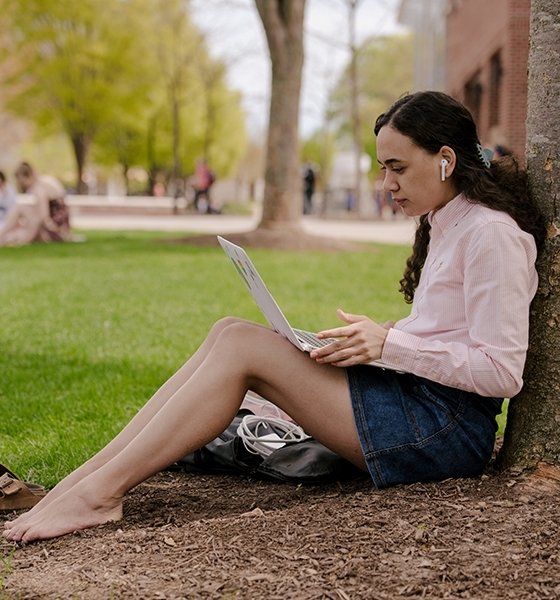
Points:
(400, 231)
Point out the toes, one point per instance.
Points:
(29, 536)
(14, 534)
(20, 520)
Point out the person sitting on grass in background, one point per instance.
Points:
(8, 198)
(45, 219)
(470, 279)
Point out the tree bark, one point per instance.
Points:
(533, 426)
(283, 24)
(355, 106)
(176, 125)
(80, 144)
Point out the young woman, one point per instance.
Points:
(470, 279)
(8, 198)
(44, 219)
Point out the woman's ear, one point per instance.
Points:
(448, 160)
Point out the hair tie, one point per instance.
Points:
(485, 155)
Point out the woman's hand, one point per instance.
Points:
(360, 341)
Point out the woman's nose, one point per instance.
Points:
(390, 183)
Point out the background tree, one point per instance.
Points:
(532, 434)
(124, 79)
(78, 66)
(385, 67)
(178, 46)
(283, 25)
(123, 143)
(355, 113)
(194, 114)
(222, 139)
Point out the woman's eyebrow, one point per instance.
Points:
(389, 161)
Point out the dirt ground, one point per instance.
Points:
(225, 537)
(280, 239)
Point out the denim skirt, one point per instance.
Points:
(412, 429)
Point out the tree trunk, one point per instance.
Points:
(80, 144)
(125, 169)
(533, 426)
(151, 154)
(211, 77)
(355, 107)
(176, 125)
(283, 200)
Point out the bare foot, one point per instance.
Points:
(61, 488)
(29, 513)
(76, 509)
(44, 502)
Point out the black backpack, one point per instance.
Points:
(306, 461)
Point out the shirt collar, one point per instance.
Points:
(449, 215)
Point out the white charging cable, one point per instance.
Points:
(263, 435)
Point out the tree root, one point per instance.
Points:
(544, 479)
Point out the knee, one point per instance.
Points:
(235, 329)
(224, 323)
(233, 333)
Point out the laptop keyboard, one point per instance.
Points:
(312, 339)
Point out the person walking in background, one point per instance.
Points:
(8, 198)
(308, 189)
(44, 219)
(383, 200)
(203, 180)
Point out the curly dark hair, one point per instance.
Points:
(434, 119)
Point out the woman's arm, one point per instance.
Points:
(488, 356)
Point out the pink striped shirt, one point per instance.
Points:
(469, 323)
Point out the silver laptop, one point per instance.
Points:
(304, 340)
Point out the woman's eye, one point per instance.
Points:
(397, 169)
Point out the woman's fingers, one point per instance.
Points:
(358, 342)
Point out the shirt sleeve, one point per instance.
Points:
(499, 283)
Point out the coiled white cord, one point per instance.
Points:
(263, 435)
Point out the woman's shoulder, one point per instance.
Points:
(480, 215)
(49, 186)
(489, 228)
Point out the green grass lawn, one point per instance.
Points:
(89, 331)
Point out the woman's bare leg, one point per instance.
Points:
(244, 356)
(138, 422)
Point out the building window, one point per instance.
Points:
(495, 89)
(473, 96)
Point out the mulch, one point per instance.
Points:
(224, 537)
(187, 536)
(279, 239)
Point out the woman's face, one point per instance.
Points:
(23, 182)
(412, 175)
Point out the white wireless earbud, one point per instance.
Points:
(444, 164)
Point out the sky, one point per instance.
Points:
(235, 34)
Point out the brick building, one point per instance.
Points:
(486, 66)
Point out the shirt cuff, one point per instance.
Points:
(400, 350)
